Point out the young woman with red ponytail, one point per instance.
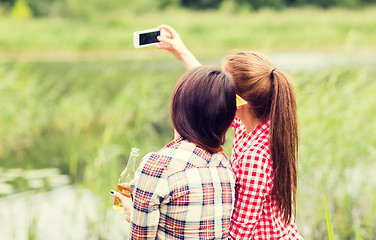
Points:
(265, 149)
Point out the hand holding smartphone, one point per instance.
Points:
(147, 37)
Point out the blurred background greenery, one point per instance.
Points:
(75, 95)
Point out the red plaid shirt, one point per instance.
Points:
(255, 215)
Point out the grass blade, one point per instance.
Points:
(328, 221)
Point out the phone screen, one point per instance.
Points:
(150, 37)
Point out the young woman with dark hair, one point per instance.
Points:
(186, 190)
(199, 111)
(265, 149)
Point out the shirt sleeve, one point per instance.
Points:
(253, 185)
(146, 189)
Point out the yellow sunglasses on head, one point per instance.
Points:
(240, 101)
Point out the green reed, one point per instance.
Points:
(337, 150)
(328, 221)
(84, 117)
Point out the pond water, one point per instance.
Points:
(17, 179)
(61, 212)
(303, 61)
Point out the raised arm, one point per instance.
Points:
(173, 43)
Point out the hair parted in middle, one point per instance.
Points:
(203, 106)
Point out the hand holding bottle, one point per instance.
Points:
(126, 204)
(123, 188)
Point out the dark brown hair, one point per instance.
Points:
(203, 107)
(270, 94)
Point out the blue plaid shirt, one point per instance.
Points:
(182, 192)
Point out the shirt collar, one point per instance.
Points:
(259, 130)
(173, 142)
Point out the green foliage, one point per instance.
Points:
(258, 4)
(337, 150)
(328, 221)
(52, 8)
(201, 4)
(41, 120)
(1, 12)
(21, 10)
(340, 3)
(286, 30)
(7, 3)
(93, 9)
(83, 116)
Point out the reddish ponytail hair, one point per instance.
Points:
(270, 94)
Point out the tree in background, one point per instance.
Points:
(276, 4)
(7, 3)
(201, 4)
(258, 4)
(21, 10)
(87, 9)
(38, 8)
(47, 7)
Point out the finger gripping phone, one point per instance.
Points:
(147, 37)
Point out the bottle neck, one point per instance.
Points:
(132, 158)
(132, 161)
(128, 174)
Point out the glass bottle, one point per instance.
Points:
(125, 179)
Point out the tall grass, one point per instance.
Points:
(61, 113)
(85, 116)
(337, 153)
(328, 221)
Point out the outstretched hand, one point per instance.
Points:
(126, 202)
(173, 43)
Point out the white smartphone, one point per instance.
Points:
(147, 37)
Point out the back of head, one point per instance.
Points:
(271, 95)
(251, 72)
(203, 106)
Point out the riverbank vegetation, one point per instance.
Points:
(206, 32)
(80, 9)
(74, 94)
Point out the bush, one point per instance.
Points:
(21, 10)
(89, 9)
(201, 4)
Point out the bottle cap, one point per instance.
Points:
(135, 151)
